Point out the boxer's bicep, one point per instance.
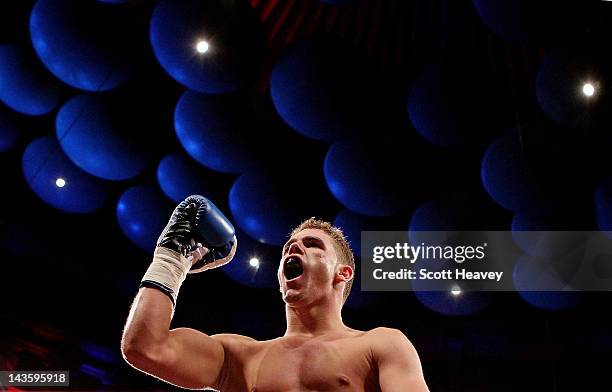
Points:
(399, 367)
(190, 359)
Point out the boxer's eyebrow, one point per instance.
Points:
(311, 239)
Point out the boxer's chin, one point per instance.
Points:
(292, 296)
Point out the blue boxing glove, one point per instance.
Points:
(198, 220)
(215, 257)
(197, 237)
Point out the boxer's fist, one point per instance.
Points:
(196, 220)
(205, 258)
(180, 230)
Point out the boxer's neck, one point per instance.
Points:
(314, 320)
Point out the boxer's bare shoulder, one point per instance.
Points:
(339, 361)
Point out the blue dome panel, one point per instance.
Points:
(25, 86)
(530, 22)
(261, 211)
(317, 87)
(180, 177)
(529, 274)
(142, 214)
(57, 181)
(445, 215)
(455, 105)
(83, 43)
(9, 131)
(212, 131)
(95, 137)
(235, 43)
(450, 305)
(262, 276)
(559, 84)
(374, 192)
(506, 177)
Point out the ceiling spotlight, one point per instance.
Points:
(202, 46)
(254, 262)
(60, 182)
(588, 89)
(455, 291)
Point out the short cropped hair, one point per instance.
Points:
(341, 245)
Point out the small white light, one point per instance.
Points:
(588, 89)
(202, 46)
(254, 262)
(455, 291)
(60, 182)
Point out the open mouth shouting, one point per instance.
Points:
(292, 268)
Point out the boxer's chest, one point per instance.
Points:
(311, 366)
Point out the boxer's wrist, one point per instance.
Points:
(167, 272)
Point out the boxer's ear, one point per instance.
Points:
(344, 273)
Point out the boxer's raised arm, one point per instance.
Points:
(181, 356)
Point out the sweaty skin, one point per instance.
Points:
(317, 353)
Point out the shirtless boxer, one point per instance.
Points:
(318, 352)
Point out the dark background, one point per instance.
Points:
(69, 279)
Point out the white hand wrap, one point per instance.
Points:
(168, 270)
